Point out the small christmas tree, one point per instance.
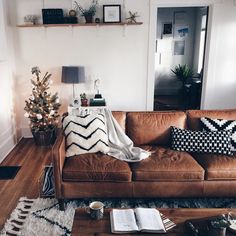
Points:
(42, 107)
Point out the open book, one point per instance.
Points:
(140, 219)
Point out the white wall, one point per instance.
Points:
(221, 84)
(7, 117)
(118, 55)
(121, 61)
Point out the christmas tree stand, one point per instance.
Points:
(44, 138)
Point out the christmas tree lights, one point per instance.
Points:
(42, 107)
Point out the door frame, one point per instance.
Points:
(154, 5)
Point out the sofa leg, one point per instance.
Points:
(61, 204)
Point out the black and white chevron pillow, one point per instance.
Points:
(85, 134)
(217, 142)
(209, 124)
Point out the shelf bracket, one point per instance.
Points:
(97, 30)
(45, 32)
(124, 30)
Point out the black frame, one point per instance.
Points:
(118, 6)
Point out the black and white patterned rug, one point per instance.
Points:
(41, 216)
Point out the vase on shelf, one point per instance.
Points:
(88, 18)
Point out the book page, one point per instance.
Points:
(149, 220)
(124, 220)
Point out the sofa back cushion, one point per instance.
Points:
(120, 117)
(153, 127)
(193, 116)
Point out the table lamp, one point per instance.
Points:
(73, 75)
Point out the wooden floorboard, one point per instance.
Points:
(32, 160)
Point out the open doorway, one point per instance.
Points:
(179, 57)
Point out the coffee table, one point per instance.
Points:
(84, 226)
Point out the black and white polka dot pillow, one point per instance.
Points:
(217, 142)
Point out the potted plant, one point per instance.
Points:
(89, 13)
(183, 73)
(218, 226)
(84, 100)
(42, 109)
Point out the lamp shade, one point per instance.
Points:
(72, 74)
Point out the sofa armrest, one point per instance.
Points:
(58, 156)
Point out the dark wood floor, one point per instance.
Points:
(32, 159)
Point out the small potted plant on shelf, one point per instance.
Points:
(42, 109)
(84, 100)
(89, 13)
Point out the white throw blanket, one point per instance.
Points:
(121, 146)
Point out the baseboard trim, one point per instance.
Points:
(26, 133)
(7, 147)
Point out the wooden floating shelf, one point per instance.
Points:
(78, 25)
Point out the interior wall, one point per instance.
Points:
(220, 86)
(7, 114)
(165, 82)
(115, 54)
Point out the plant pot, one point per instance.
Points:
(88, 18)
(217, 231)
(84, 102)
(44, 138)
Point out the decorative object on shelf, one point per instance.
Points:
(42, 110)
(72, 13)
(73, 75)
(53, 16)
(132, 17)
(97, 20)
(98, 100)
(87, 13)
(84, 100)
(111, 13)
(71, 19)
(31, 19)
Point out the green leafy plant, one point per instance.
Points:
(183, 73)
(85, 12)
(83, 96)
(220, 222)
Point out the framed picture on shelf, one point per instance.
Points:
(111, 13)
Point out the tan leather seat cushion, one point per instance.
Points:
(217, 167)
(195, 115)
(167, 165)
(96, 167)
(148, 128)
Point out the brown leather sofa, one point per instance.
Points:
(166, 173)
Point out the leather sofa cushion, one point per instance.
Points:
(120, 117)
(217, 167)
(147, 128)
(167, 165)
(96, 167)
(193, 116)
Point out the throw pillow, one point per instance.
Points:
(85, 134)
(217, 142)
(209, 124)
